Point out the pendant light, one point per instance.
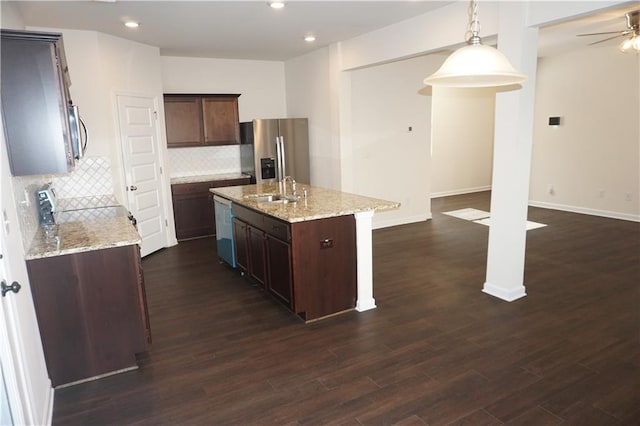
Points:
(475, 65)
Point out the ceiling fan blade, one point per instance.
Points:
(608, 32)
(606, 39)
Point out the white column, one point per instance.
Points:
(364, 249)
(512, 158)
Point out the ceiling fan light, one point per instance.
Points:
(630, 44)
(476, 65)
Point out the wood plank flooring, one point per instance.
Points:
(436, 351)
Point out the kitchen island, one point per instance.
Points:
(314, 254)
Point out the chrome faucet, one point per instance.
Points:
(294, 192)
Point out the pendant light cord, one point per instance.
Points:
(473, 30)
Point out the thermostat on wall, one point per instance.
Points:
(554, 121)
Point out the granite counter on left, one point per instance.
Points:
(83, 230)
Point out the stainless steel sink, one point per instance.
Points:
(270, 198)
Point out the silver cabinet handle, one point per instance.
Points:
(133, 188)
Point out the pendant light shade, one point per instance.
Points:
(475, 65)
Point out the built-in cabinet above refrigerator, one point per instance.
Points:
(274, 148)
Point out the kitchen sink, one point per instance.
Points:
(270, 198)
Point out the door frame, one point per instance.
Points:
(167, 206)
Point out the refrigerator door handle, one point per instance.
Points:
(282, 153)
(278, 160)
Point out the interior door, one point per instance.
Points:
(141, 160)
(26, 385)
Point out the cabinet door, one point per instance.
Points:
(142, 301)
(89, 312)
(183, 119)
(220, 117)
(242, 248)
(279, 270)
(257, 261)
(193, 210)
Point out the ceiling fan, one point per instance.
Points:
(632, 30)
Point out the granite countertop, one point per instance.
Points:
(95, 226)
(206, 178)
(320, 202)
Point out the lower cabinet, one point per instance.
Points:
(257, 254)
(193, 207)
(280, 282)
(309, 266)
(92, 312)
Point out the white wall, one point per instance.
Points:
(308, 89)
(592, 158)
(462, 140)
(260, 83)
(389, 161)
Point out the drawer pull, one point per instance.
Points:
(326, 243)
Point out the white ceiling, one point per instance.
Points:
(226, 29)
(241, 29)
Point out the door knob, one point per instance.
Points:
(14, 287)
(133, 188)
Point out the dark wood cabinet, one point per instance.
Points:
(257, 254)
(91, 310)
(201, 120)
(193, 207)
(183, 121)
(280, 280)
(241, 244)
(310, 266)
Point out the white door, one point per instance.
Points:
(26, 388)
(141, 159)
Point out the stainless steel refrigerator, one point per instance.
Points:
(274, 148)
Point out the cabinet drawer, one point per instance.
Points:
(249, 216)
(190, 188)
(277, 228)
(229, 182)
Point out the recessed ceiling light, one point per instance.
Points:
(309, 38)
(132, 24)
(276, 4)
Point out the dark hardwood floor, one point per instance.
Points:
(436, 350)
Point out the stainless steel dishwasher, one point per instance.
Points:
(224, 230)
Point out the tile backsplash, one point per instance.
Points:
(91, 177)
(204, 160)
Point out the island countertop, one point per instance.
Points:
(320, 203)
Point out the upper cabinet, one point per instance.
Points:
(200, 120)
(35, 103)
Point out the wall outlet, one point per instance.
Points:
(550, 189)
(601, 193)
(628, 196)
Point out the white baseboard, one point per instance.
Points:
(460, 191)
(585, 210)
(505, 294)
(379, 224)
(47, 417)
